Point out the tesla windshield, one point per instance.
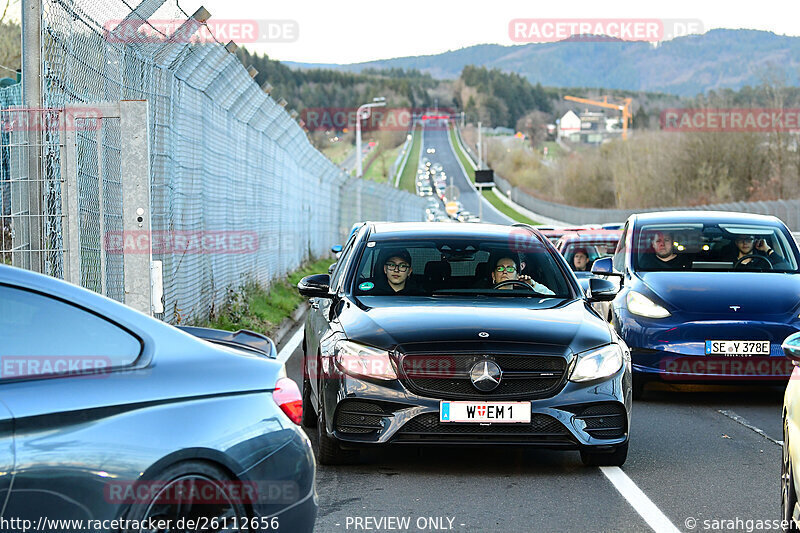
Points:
(717, 247)
(459, 266)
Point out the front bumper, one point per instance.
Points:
(363, 413)
(674, 350)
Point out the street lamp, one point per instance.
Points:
(363, 113)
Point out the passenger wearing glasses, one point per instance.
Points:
(506, 269)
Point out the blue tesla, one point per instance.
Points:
(705, 296)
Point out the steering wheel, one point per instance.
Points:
(510, 282)
(738, 262)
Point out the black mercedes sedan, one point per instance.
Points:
(461, 334)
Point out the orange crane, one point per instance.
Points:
(624, 106)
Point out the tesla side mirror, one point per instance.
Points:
(316, 286)
(791, 347)
(604, 267)
(601, 290)
(336, 248)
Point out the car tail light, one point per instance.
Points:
(289, 399)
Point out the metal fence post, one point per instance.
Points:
(135, 167)
(32, 101)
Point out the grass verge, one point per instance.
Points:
(379, 167)
(252, 307)
(408, 179)
(506, 210)
(462, 156)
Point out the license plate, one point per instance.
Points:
(737, 348)
(485, 412)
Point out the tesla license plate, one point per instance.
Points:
(737, 348)
(485, 412)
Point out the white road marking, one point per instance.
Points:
(291, 345)
(651, 514)
(741, 420)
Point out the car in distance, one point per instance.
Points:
(456, 358)
(710, 312)
(107, 413)
(596, 244)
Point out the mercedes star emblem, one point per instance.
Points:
(485, 375)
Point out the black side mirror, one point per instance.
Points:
(602, 290)
(791, 346)
(316, 286)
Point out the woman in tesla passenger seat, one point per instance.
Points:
(506, 269)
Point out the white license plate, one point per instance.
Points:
(740, 348)
(485, 412)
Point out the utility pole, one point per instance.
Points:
(365, 111)
(480, 148)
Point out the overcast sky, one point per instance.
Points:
(348, 31)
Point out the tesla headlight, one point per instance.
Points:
(597, 363)
(641, 305)
(363, 361)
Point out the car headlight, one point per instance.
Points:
(597, 363)
(363, 361)
(641, 305)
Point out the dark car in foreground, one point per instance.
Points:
(107, 414)
(464, 354)
(705, 297)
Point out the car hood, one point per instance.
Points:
(755, 293)
(414, 324)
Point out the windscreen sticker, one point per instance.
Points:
(367, 285)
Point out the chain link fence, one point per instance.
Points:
(786, 210)
(225, 160)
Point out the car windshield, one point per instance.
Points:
(459, 266)
(713, 247)
(593, 246)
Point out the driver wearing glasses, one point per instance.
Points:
(397, 269)
(507, 270)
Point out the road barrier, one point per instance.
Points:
(786, 210)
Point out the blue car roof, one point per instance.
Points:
(730, 217)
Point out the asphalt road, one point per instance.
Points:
(688, 455)
(435, 135)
